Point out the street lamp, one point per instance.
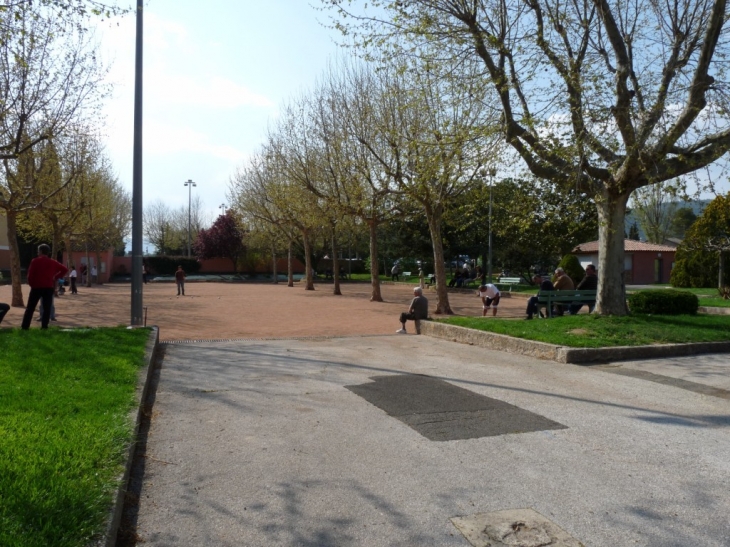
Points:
(190, 185)
(222, 207)
(492, 173)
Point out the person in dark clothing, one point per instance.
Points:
(180, 280)
(416, 311)
(545, 285)
(588, 283)
(4, 308)
(43, 274)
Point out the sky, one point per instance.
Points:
(215, 74)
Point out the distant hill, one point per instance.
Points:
(697, 207)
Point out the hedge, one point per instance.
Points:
(663, 302)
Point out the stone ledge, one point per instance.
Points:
(564, 354)
(712, 310)
(143, 381)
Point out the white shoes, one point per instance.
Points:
(401, 331)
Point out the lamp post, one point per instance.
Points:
(137, 319)
(492, 173)
(190, 185)
(222, 207)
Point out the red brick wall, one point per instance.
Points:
(643, 270)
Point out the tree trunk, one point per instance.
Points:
(17, 300)
(309, 280)
(335, 264)
(289, 267)
(374, 265)
(69, 256)
(611, 296)
(273, 265)
(434, 226)
(721, 274)
(97, 253)
(88, 266)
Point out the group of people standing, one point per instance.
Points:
(45, 277)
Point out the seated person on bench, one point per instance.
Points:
(546, 285)
(562, 283)
(4, 308)
(588, 283)
(416, 311)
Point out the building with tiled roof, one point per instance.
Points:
(644, 263)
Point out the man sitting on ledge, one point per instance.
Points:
(417, 310)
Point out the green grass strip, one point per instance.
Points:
(65, 398)
(595, 331)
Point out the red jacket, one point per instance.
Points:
(44, 271)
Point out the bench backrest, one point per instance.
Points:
(566, 295)
(510, 280)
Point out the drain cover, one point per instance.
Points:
(441, 411)
(513, 528)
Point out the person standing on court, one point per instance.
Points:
(180, 280)
(43, 273)
(72, 276)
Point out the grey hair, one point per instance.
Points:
(418, 291)
(44, 249)
(559, 270)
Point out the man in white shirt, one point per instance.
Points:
(490, 298)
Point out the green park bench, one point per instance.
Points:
(547, 299)
(406, 275)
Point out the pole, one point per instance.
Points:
(137, 318)
(190, 185)
(489, 259)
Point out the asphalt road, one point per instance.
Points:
(263, 443)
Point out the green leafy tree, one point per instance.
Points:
(634, 231)
(683, 219)
(572, 267)
(701, 257)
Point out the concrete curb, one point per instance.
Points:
(713, 310)
(143, 380)
(563, 354)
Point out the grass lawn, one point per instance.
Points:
(64, 428)
(594, 331)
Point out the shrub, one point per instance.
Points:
(572, 267)
(166, 265)
(664, 302)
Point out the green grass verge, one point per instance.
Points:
(594, 331)
(65, 398)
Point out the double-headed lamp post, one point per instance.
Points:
(190, 185)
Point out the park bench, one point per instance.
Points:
(406, 275)
(546, 299)
(510, 281)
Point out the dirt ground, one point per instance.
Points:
(214, 311)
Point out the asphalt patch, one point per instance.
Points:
(441, 411)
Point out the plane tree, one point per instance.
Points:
(603, 95)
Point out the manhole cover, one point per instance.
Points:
(513, 528)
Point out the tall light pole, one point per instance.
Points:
(492, 173)
(190, 185)
(137, 319)
(222, 207)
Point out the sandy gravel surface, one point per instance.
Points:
(250, 310)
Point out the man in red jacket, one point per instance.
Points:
(43, 273)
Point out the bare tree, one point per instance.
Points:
(603, 95)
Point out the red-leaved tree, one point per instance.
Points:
(224, 239)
